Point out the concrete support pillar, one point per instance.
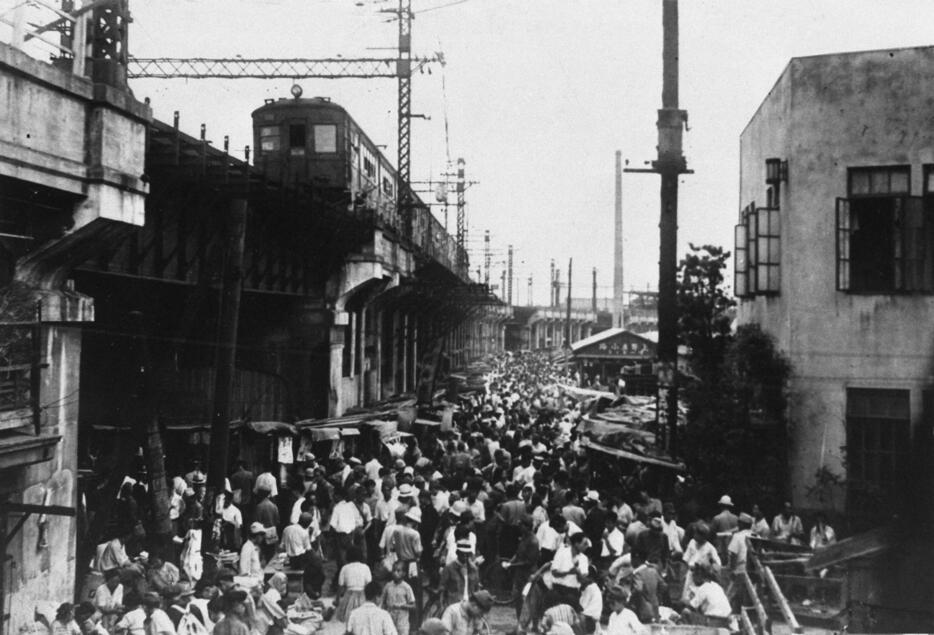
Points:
(396, 352)
(361, 357)
(413, 371)
(378, 357)
(405, 352)
(336, 366)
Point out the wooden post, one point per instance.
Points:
(225, 359)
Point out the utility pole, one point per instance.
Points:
(486, 257)
(551, 283)
(618, 287)
(529, 300)
(556, 292)
(670, 164)
(404, 72)
(225, 356)
(461, 216)
(567, 321)
(509, 267)
(593, 302)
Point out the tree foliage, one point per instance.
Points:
(734, 439)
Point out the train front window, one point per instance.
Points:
(269, 138)
(325, 138)
(297, 139)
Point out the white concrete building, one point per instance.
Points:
(835, 258)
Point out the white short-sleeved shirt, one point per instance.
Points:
(566, 560)
(624, 623)
(710, 599)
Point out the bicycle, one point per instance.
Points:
(498, 580)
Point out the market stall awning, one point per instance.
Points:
(582, 394)
(324, 434)
(271, 427)
(629, 456)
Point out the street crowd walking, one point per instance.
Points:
(505, 508)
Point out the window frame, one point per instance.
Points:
(891, 451)
(332, 147)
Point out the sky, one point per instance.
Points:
(537, 96)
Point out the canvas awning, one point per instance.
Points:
(324, 434)
(629, 456)
(272, 427)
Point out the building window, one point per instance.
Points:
(297, 139)
(269, 138)
(757, 263)
(877, 448)
(369, 168)
(884, 236)
(387, 186)
(325, 139)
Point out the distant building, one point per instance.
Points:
(835, 258)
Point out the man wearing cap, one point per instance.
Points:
(466, 616)
(250, 565)
(726, 521)
(406, 542)
(737, 550)
(461, 577)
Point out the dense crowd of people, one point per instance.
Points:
(505, 508)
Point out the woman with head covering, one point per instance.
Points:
(270, 617)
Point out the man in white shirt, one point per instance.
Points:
(671, 529)
(737, 550)
(157, 621)
(347, 523)
(569, 566)
(372, 469)
(296, 541)
(622, 620)
(708, 604)
(614, 539)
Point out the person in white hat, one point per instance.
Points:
(249, 554)
(406, 543)
(726, 521)
(460, 577)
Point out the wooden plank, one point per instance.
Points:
(761, 614)
(859, 546)
(745, 624)
(787, 614)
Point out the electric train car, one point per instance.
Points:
(316, 142)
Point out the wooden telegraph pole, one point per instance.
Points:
(670, 164)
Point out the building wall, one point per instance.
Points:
(824, 115)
